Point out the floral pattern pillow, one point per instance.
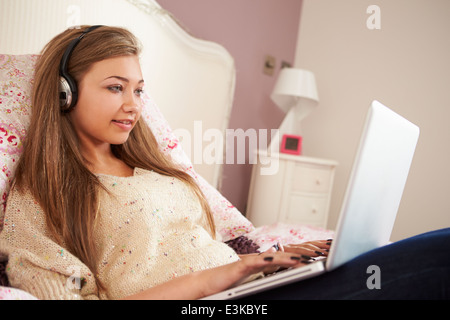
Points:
(16, 80)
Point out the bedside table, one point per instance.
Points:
(298, 192)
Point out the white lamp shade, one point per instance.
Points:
(295, 87)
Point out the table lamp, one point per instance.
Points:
(295, 93)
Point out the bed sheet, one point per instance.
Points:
(7, 293)
(267, 236)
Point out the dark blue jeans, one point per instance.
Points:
(414, 268)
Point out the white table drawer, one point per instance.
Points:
(299, 192)
(309, 209)
(306, 179)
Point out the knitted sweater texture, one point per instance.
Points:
(149, 230)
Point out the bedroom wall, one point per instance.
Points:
(249, 30)
(405, 64)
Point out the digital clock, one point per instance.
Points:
(291, 144)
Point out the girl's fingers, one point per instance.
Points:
(269, 262)
(311, 248)
(275, 261)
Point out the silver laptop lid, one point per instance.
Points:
(376, 184)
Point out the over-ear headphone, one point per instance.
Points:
(68, 91)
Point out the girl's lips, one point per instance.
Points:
(123, 124)
(124, 121)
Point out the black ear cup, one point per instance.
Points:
(68, 91)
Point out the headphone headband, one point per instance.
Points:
(68, 91)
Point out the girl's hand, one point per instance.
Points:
(306, 250)
(278, 259)
(239, 271)
(311, 249)
(207, 282)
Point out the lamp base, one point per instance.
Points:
(290, 126)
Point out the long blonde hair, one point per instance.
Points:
(52, 166)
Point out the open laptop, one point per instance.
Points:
(370, 205)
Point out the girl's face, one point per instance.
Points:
(109, 102)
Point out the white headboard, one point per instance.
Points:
(190, 79)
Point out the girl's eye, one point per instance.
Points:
(115, 89)
(139, 92)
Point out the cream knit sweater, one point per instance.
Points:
(149, 230)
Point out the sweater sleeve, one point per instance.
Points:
(36, 263)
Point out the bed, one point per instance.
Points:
(201, 73)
